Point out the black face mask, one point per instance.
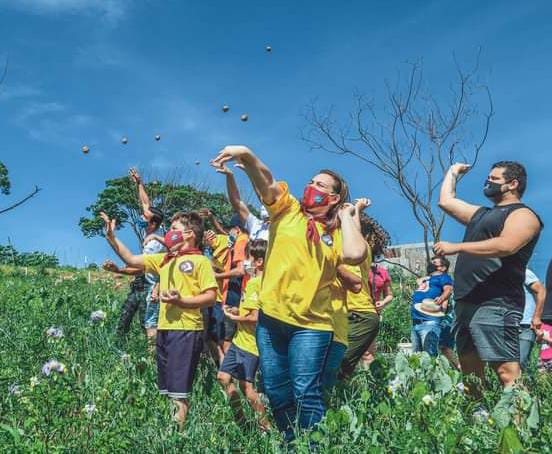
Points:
(492, 189)
(431, 268)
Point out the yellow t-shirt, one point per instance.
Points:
(245, 334)
(340, 315)
(191, 275)
(362, 301)
(298, 272)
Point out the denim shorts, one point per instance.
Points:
(490, 328)
(425, 337)
(215, 325)
(151, 316)
(446, 339)
(240, 364)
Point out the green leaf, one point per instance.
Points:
(509, 441)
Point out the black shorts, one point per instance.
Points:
(490, 328)
(178, 354)
(215, 323)
(240, 364)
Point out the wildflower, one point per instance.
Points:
(14, 390)
(55, 333)
(53, 366)
(428, 400)
(90, 409)
(481, 415)
(34, 382)
(97, 316)
(125, 357)
(393, 387)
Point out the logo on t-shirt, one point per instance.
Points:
(187, 266)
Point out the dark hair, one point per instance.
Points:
(376, 236)
(444, 261)
(513, 171)
(341, 188)
(192, 221)
(257, 249)
(156, 216)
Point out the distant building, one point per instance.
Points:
(413, 256)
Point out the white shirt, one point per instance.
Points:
(258, 230)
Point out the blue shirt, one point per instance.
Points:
(530, 303)
(431, 287)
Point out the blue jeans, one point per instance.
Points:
(292, 361)
(527, 339)
(333, 364)
(151, 316)
(425, 337)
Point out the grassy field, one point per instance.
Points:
(106, 399)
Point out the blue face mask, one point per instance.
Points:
(142, 224)
(232, 238)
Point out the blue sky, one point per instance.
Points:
(91, 71)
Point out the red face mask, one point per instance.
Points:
(312, 198)
(172, 238)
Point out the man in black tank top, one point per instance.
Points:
(490, 269)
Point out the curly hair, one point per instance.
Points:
(376, 236)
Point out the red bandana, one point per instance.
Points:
(172, 255)
(312, 231)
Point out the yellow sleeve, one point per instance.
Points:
(251, 295)
(206, 275)
(152, 263)
(283, 203)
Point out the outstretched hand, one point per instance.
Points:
(134, 175)
(109, 225)
(110, 266)
(237, 153)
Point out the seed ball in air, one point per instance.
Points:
(225, 108)
(157, 137)
(197, 163)
(124, 140)
(268, 49)
(85, 149)
(244, 117)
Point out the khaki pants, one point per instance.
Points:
(363, 329)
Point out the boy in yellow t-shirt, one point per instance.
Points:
(241, 361)
(187, 284)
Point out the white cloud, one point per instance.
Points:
(112, 10)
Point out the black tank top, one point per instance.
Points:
(479, 279)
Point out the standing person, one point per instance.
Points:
(543, 322)
(241, 361)
(187, 284)
(136, 298)
(151, 222)
(490, 270)
(447, 343)
(307, 241)
(429, 306)
(257, 227)
(535, 295)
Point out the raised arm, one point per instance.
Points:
(134, 261)
(448, 202)
(259, 174)
(355, 248)
(142, 194)
(234, 194)
(110, 266)
(520, 228)
(206, 213)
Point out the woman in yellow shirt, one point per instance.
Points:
(307, 242)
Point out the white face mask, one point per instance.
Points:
(263, 213)
(249, 267)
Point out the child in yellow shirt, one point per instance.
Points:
(187, 284)
(241, 361)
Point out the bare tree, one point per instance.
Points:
(5, 185)
(414, 139)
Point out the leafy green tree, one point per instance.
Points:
(120, 200)
(10, 256)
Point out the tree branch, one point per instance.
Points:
(22, 201)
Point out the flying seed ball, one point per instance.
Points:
(158, 137)
(225, 108)
(268, 49)
(85, 149)
(197, 163)
(244, 117)
(124, 140)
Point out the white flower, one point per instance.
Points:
(53, 366)
(97, 316)
(125, 357)
(393, 386)
(461, 388)
(34, 381)
(428, 400)
(90, 409)
(55, 333)
(14, 390)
